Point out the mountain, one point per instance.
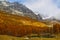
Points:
(17, 9)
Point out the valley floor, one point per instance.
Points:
(5, 37)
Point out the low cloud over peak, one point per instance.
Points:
(45, 7)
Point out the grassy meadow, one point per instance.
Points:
(6, 37)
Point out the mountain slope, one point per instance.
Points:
(17, 9)
(19, 26)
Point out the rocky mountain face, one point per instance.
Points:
(20, 9)
(39, 17)
(17, 9)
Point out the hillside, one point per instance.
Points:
(14, 25)
(17, 9)
(19, 26)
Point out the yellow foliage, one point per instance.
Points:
(18, 25)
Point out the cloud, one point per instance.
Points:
(45, 7)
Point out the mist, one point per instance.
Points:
(47, 8)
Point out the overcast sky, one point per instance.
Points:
(44, 7)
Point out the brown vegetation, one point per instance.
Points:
(19, 26)
(56, 27)
(15, 25)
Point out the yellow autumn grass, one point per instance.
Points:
(19, 20)
(24, 20)
(6, 37)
